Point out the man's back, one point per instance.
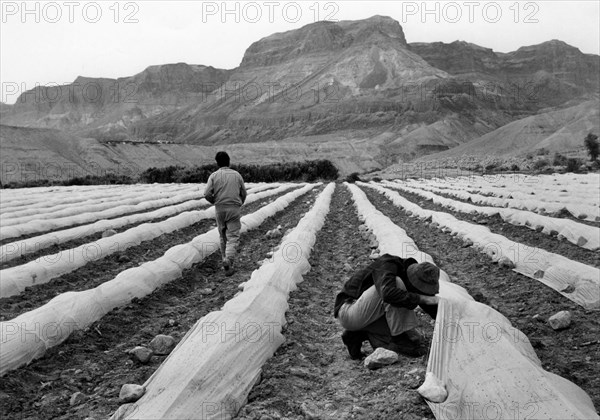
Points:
(225, 187)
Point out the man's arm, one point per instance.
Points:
(243, 192)
(209, 191)
(384, 278)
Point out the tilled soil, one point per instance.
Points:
(521, 234)
(94, 361)
(311, 374)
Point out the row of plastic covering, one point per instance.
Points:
(25, 198)
(29, 335)
(546, 187)
(574, 280)
(585, 236)
(489, 368)
(20, 198)
(212, 370)
(83, 217)
(528, 189)
(532, 203)
(51, 211)
(44, 269)
(34, 244)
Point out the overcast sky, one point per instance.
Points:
(54, 42)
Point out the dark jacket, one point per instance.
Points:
(382, 273)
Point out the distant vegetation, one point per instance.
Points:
(308, 171)
(592, 146)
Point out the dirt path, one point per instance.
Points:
(517, 297)
(94, 361)
(311, 374)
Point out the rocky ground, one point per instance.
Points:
(311, 374)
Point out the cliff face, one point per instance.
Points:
(551, 73)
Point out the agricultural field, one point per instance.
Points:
(89, 273)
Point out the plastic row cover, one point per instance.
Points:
(585, 236)
(213, 368)
(95, 205)
(489, 368)
(77, 218)
(545, 186)
(574, 280)
(59, 196)
(125, 196)
(42, 270)
(18, 248)
(582, 211)
(29, 335)
(14, 200)
(582, 203)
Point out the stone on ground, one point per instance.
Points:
(381, 357)
(560, 320)
(76, 399)
(131, 393)
(162, 344)
(433, 389)
(141, 354)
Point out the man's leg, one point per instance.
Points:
(358, 315)
(220, 217)
(234, 226)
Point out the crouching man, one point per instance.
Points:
(377, 304)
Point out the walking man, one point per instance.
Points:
(377, 304)
(226, 190)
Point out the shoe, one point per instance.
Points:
(230, 272)
(353, 341)
(409, 343)
(226, 265)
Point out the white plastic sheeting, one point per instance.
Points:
(585, 236)
(72, 195)
(44, 225)
(212, 370)
(27, 246)
(488, 367)
(15, 279)
(491, 371)
(29, 335)
(574, 280)
(527, 193)
(87, 206)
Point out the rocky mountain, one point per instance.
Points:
(548, 74)
(326, 85)
(104, 108)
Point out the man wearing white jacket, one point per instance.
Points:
(226, 190)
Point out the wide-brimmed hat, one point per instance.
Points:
(425, 277)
